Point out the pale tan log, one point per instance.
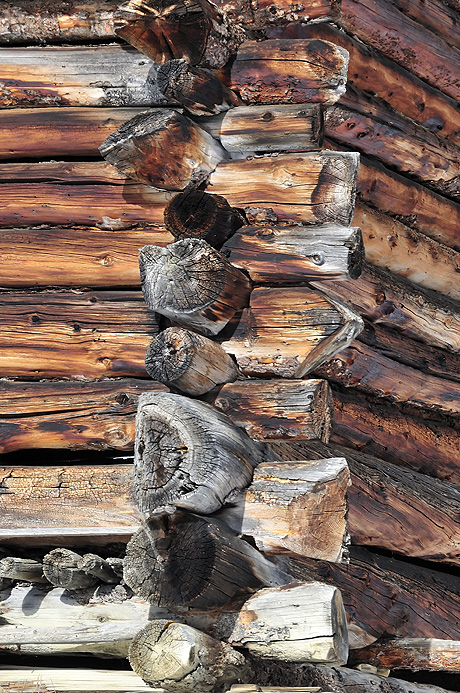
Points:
(272, 128)
(49, 76)
(286, 71)
(60, 567)
(289, 332)
(20, 679)
(273, 409)
(70, 635)
(295, 507)
(22, 569)
(193, 284)
(312, 188)
(297, 253)
(192, 363)
(189, 455)
(183, 659)
(164, 149)
(414, 654)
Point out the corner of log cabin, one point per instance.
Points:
(316, 148)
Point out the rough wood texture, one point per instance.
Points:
(193, 284)
(197, 214)
(75, 415)
(163, 149)
(19, 679)
(190, 362)
(297, 253)
(22, 569)
(412, 602)
(92, 564)
(182, 658)
(188, 455)
(196, 89)
(289, 332)
(312, 188)
(272, 129)
(259, 13)
(414, 654)
(301, 409)
(295, 507)
(90, 334)
(400, 38)
(49, 76)
(195, 30)
(286, 71)
(186, 560)
(60, 567)
(420, 512)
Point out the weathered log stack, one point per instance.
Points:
(226, 276)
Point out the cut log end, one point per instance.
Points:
(60, 567)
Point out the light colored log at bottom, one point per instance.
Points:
(254, 688)
(412, 653)
(24, 680)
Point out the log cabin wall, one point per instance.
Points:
(74, 328)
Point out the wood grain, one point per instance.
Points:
(414, 654)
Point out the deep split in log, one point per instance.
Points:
(197, 214)
(188, 361)
(164, 149)
(297, 253)
(193, 284)
(189, 455)
(185, 560)
(196, 89)
(60, 567)
(286, 333)
(195, 30)
(183, 659)
(286, 71)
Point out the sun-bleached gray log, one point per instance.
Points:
(163, 149)
(297, 253)
(193, 284)
(26, 569)
(60, 567)
(66, 680)
(189, 455)
(186, 560)
(186, 360)
(92, 564)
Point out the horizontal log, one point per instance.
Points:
(414, 654)
(22, 569)
(288, 332)
(397, 36)
(364, 368)
(370, 71)
(420, 512)
(296, 253)
(266, 12)
(59, 76)
(14, 679)
(387, 299)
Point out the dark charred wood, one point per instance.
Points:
(163, 149)
(60, 567)
(188, 361)
(195, 30)
(193, 284)
(196, 89)
(186, 560)
(197, 214)
(297, 253)
(189, 455)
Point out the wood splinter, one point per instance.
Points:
(196, 89)
(185, 560)
(186, 360)
(174, 656)
(164, 149)
(189, 455)
(60, 567)
(192, 284)
(197, 214)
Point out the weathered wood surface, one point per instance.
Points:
(193, 284)
(95, 415)
(163, 149)
(60, 567)
(22, 569)
(301, 409)
(272, 129)
(297, 253)
(421, 513)
(414, 654)
(411, 602)
(359, 366)
(190, 362)
(295, 507)
(288, 332)
(59, 76)
(93, 564)
(90, 334)
(20, 679)
(283, 71)
(260, 13)
(184, 659)
(188, 455)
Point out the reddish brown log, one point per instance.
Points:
(258, 14)
(414, 654)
